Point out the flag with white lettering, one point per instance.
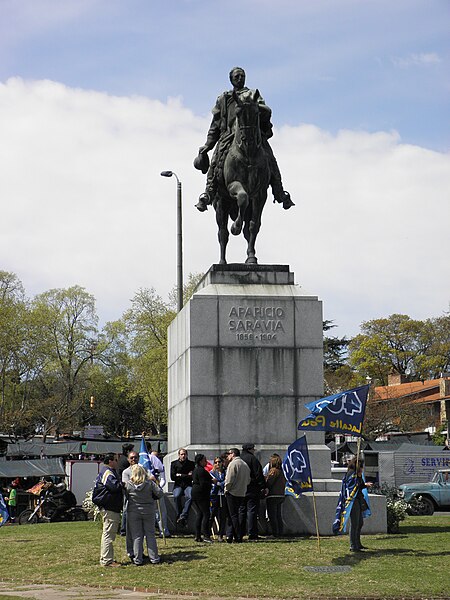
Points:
(339, 413)
(4, 515)
(297, 469)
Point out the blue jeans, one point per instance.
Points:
(178, 492)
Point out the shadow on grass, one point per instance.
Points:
(357, 557)
(182, 556)
(411, 529)
(282, 540)
(390, 537)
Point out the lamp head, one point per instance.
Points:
(166, 173)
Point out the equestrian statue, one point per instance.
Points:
(243, 164)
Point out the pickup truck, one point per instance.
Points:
(424, 498)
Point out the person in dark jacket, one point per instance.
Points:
(219, 511)
(123, 462)
(255, 488)
(276, 483)
(64, 498)
(112, 505)
(181, 474)
(353, 504)
(201, 492)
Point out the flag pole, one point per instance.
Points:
(358, 451)
(317, 523)
(212, 528)
(158, 504)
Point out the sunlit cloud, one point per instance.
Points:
(414, 60)
(83, 203)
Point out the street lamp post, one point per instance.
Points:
(179, 241)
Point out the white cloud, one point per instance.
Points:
(414, 60)
(83, 203)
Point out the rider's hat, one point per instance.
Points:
(201, 162)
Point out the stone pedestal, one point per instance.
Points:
(245, 356)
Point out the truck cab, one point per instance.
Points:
(424, 498)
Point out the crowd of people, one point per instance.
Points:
(226, 495)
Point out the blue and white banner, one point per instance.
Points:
(4, 514)
(297, 469)
(144, 458)
(340, 413)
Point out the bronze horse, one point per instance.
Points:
(242, 190)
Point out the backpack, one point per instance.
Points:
(100, 493)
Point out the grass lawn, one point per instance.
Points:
(413, 564)
(6, 597)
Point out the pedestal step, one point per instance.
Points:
(298, 514)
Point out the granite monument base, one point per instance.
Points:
(245, 356)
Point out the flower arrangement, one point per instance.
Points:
(92, 509)
(396, 507)
(396, 512)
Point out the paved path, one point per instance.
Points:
(55, 592)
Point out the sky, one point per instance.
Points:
(97, 97)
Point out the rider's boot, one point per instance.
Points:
(203, 202)
(284, 198)
(287, 202)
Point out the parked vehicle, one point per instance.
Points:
(47, 509)
(424, 498)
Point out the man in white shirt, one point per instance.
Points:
(237, 479)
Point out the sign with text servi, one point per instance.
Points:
(339, 413)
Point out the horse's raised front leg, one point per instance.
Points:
(236, 191)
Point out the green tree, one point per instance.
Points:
(334, 349)
(15, 350)
(338, 375)
(419, 349)
(69, 341)
(115, 403)
(147, 322)
(188, 289)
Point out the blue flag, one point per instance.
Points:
(144, 458)
(349, 491)
(4, 515)
(297, 469)
(340, 413)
